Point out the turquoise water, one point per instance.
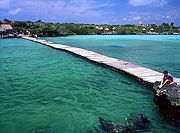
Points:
(43, 89)
(159, 52)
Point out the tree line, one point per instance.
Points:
(61, 29)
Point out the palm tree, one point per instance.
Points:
(172, 24)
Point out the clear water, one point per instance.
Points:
(42, 89)
(159, 52)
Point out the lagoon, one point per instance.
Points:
(158, 52)
(46, 89)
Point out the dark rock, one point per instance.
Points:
(134, 124)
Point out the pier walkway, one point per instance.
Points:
(142, 74)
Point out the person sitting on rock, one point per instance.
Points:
(167, 79)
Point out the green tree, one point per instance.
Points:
(172, 24)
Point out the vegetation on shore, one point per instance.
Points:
(56, 29)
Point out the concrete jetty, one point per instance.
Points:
(142, 74)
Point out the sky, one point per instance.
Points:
(92, 11)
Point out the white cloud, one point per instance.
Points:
(154, 3)
(62, 8)
(124, 19)
(136, 18)
(170, 15)
(78, 11)
(132, 17)
(4, 4)
(106, 4)
(166, 17)
(14, 12)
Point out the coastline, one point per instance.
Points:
(6, 37)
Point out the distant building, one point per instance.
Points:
(106, 29)
(5, 30)
(97, 27)
(140, 24)
(101, 28)
(6, 27)
(175, 33)
(151, 29)
(114, 28)
(2, 30)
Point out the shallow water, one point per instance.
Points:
(159, 52)
(43, 89)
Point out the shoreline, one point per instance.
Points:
(8, 37)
